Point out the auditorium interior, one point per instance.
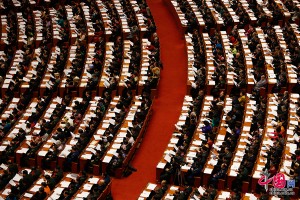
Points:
(149, 99)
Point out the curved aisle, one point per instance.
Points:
(166, 108)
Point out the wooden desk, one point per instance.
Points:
(67, 70)
(84, 190)
(106, 19)
(9, 108)
(271, 77)
(89, 24)
(291, 74)
(6, 112)
(266, 141)
(109, 48)
(145, 67)
(172, 148)
(62, 185)
(13, 182)
(296, 32)
(125, 66)
(250, 196)
(120, 135)
(146, 192)
(291, 145)
(31, 71)
(198, 15)
(250, 13)
(227, 7)
(191, 60)
(169, 194)
(49, 141)
(93, 145)
(72, 24)
(19, 124)
(38, 23)
(22, 37)
(247, 60)
(55, 27)
(139, 17)
(219, 139)
(216, 16)
(4, 32)
(228, 55)
(285, 12)
(73, 140)
(36, 185)
(197, 138)
(179, 16)
(18, 58)
(242, 142)
(263, 8)
(124, 22)
(86, 76)
(35, 131)
(45, 82)
(210, 67)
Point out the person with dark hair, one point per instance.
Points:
(218, 175)
(40, 194)
(207, 127)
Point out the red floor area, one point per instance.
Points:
(166, 109)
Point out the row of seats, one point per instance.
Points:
(61, 21)
(286, 79)
(35, 183)
(248, 134)
(165, 191)
(77, 80)
(60, 131)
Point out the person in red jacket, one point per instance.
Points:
(279, 131)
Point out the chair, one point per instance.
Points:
(221, 184)
(280, 23)
(52, 165)
(94, 93)
(263, 24)
(153, 93)
(96, 169)
(262, 91)
(228, 29)
(119, 172)
(16, 94)
(74, 167)
(245, 186)
(35, 94)
(31, 162)
(114, 93)
(11, 158)
(197, 181)
(74, 94)
(212, 31)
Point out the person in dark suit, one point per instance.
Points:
(4, 179)
(218, 175)
(94, 194)
(27, 177)
(35, 172)
(194, 171)
(50, 182)
(12, 167)
(41, 194)
(72, 157)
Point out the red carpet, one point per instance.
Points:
(166, 108)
